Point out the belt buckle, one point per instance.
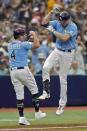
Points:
(13, 68)
(66, 51)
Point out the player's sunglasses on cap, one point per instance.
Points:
(64, 16)
(20, 31)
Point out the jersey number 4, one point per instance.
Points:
(13, 54)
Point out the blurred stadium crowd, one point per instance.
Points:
(28, 14)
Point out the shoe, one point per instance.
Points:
(44, 96)
(39, 115)
(23, 121)
(60, 110)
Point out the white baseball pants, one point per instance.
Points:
(21, 77)
(64, 60)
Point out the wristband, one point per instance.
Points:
(54, 32)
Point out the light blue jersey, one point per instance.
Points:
(70, 29)
(18, 53)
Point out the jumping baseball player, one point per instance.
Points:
(65, 32)
(20, 73)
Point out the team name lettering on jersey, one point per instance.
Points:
(15, 46)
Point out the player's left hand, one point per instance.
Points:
(31, 35)
(55, 10)
(31, 38)
(50, 29)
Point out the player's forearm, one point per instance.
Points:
(46, 18)
(36, 43)
(61, 36)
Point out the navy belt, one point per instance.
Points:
(17, 68)
(65, 50)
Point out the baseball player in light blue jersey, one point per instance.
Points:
(20, 73)
(65, 32)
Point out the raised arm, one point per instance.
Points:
(48, 16)
(36, 43)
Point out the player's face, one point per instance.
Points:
(65, 23)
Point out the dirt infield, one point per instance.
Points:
(44, 108)
(55, 128)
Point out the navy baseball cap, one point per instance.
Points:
(18, 32)
(64, 16)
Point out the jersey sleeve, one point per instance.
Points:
(53, 23)
(27, 45)
(72, 31)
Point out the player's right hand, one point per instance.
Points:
(32, 33)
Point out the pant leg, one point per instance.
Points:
(18, 86)
(28, 80)
(65, 63)
(51, 61)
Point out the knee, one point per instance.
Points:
(20, 96)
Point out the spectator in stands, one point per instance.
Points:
(5, 1)
(39, 65)
(43, 7)
(52, 2)
(36, 3)
(80, 47)
(36, 14)
(2, 8)
(42, 49)
(3, 49)
(3, 70)
(24, 11)
(10, 28)
(29, 13)
(9, 12)
(1, 55)
(75, 70)
(1, 33)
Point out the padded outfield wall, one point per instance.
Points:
(77, 92)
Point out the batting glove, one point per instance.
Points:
(50, 29)
(55, 10)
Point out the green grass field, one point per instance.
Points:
(71, 117)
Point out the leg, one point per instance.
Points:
(63, 95)
(38, 113)
(29, 81)
(19, 90)
(51, 61)
(65, 64)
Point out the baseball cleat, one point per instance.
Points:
(44, 96)
(23, 121)
(39, 115)
(60, 110)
